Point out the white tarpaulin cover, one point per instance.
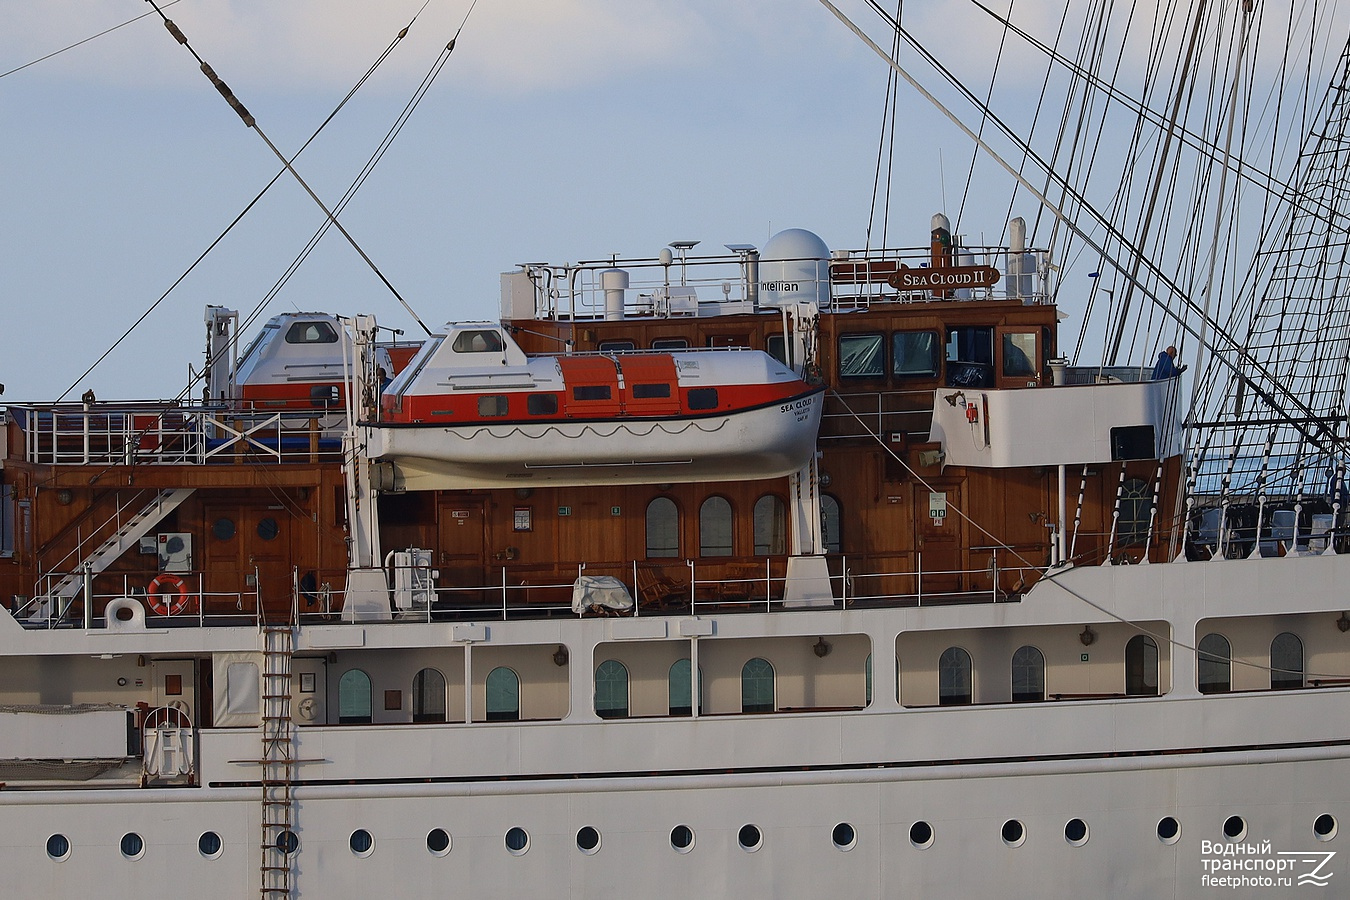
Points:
(600, 591)
(237, 689)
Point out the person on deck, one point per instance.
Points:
(1166, 367)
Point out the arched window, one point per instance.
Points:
(757, 686)
(1141, 667)
(1028, 675)
(663, 528)
(1286, 662)
(1136, 503)
(611, 690)
(954, 685)
(770, 526)
(714, 527)
(354, 697)
(830, 524)
(503, 695)
(1216, 664)
(428, 696)
(680, 689)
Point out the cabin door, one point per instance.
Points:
(937, 532)
(174, 682)
(461, 560)
(269, 554)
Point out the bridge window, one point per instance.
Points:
(1028, 675)
(670, 344)
(354, 698)
(770, 526)
(477, 342)
(776, 346)
(311, 333)
(1286, 662)
(663, 528)
(862, 356)
(954, 681)
(611, 690)
(1216, 664)
(428, 696)
(1141, 667)
(1019, 353)
(914, 354)
(757, 686)
(503, 695)
(714, 527)
(617, 346)
(970, 356)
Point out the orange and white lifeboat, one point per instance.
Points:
(471, 410)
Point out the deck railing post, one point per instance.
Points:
(918, 576)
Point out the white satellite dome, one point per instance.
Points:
(794, 267)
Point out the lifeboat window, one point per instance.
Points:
(970, 356)
(679, 689)
(663, 528)
(354, 698)
(542, 404)
(617, 346)
(311, 333)
(757, 686)
(670, 344)
(714, 527)
(1216, 664)
(492, 406)
(954, 684)
(1019, 353)
(1028, 675)
(703, 398)
(770, 526)
(591, 392)
(914, 354)
(862, 356)
(611, 690)
(477, 342)
(428, 696)
(776, 346)
(830, 520)
(503, 695)
(651, 391)
(1141, 667)
(1286, 662)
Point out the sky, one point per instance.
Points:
(558, 130)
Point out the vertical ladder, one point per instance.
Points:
(277, 761)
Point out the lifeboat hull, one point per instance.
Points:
(768, 441)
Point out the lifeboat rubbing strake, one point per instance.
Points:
(472, 410)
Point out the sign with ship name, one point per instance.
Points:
(943, 278)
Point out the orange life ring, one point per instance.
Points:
(168, 594)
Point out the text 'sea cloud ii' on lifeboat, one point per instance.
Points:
(471, 410)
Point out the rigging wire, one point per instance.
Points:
(84, 41)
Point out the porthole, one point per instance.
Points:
(222, 529)
(517, 841)
(921, 835)
(268, 529)
(361, 843)
(133, 845)
(749, 838)
(1169, 830)
(438, 841)
(844, 836)
(682, 838)
(288, 842)
(1076, 832)
(1235, 828)
(58, 847)
(1014, 833)
(588, 840)
(209, 845)
(1324, 828)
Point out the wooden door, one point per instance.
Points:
(461, 559)
(937, 531)
(268, 539)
